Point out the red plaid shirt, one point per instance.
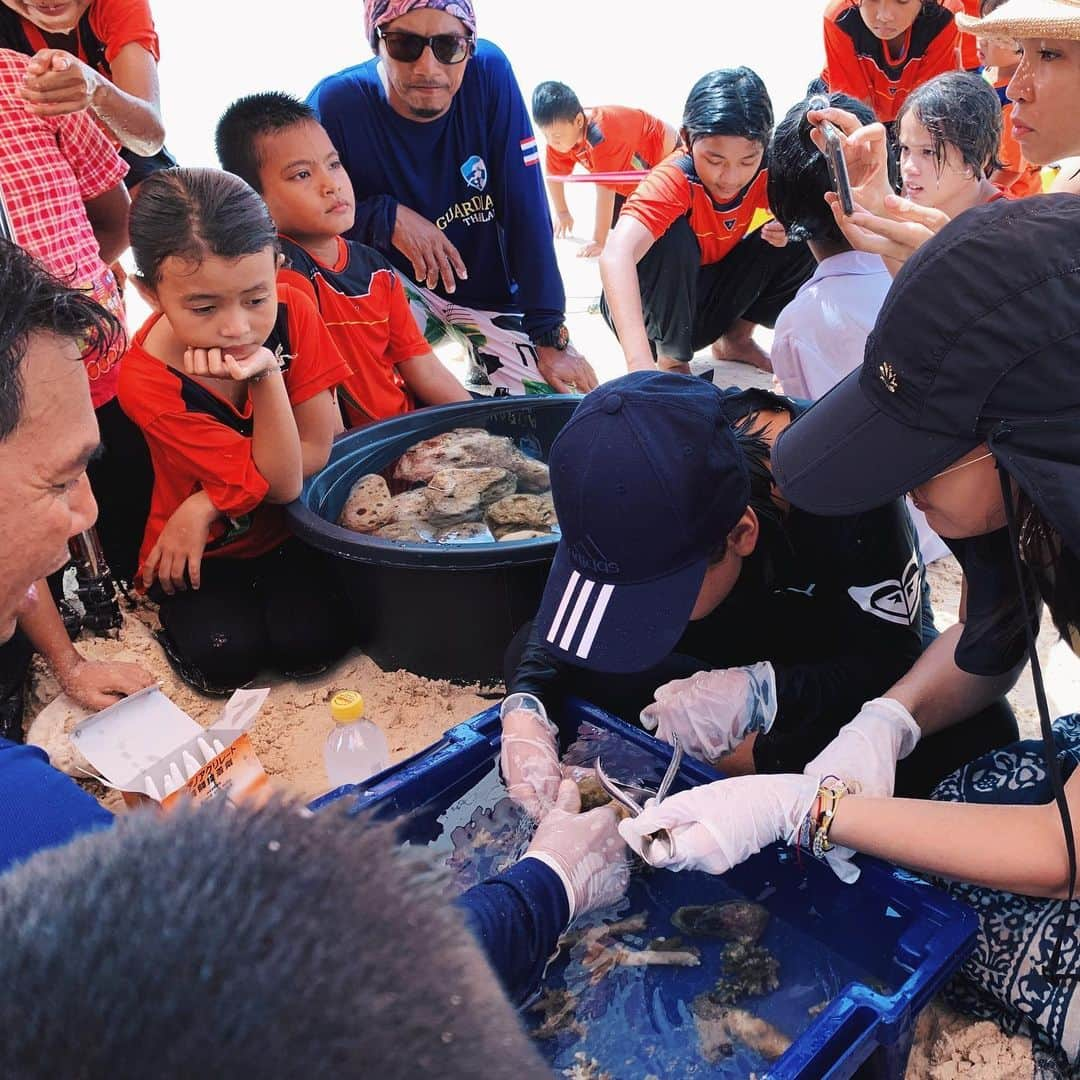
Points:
(49, 167)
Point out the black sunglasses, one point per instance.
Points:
(408, 48)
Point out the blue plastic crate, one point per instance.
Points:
(890, 922)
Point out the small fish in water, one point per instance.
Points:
(749, 971)
(734, 920)
(559, 1010)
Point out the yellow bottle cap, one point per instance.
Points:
(346, 706)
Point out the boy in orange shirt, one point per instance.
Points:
(683, 268)
(878, 51)
(1016, 177)
(607, 138)
(276, 144)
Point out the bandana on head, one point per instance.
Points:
(379, 12)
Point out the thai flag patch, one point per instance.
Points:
(529, 153)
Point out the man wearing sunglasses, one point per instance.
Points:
(436, 139)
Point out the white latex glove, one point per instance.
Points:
(529, 755)
(584, 850)
(864, 755)
(713, 711)
(865, 751)
(717, 826)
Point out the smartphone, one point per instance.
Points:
(834, 155)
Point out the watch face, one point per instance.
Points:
(561, 338)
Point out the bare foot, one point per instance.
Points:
(677, 367)
(738, 344)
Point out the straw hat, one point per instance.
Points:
(1055, 19)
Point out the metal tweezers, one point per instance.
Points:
(633, 797)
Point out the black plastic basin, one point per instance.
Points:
(447, 611)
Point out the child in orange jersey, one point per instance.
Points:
(607, 138)
(878, 51)
(682, 270)
(274, 142)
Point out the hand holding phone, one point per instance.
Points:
(834, 154)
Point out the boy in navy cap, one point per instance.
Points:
(683, 574)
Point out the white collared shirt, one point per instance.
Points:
(821, 335)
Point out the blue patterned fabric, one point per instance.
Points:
(1003, 979)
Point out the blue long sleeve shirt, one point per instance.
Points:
(474, 172)
(517, 918)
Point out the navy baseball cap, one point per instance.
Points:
(648, 481)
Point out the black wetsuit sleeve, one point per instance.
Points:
(870, 608)
(536, 671)
(518, 918)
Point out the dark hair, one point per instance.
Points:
(32, 301)
(237, 136)
(961, 110)
(191, 213)
(799, 174)
(252, 942)
(1055, 567)
(750, 437)
(553, 101)
(989, 5)
(731, 101)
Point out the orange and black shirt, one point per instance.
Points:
(856, 62)
(617, 139)
(969, 56)
(365, 308)
(201, 441)
(674, 190)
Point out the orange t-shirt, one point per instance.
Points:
(115, 23)
(367, 313)
(969, 58)
(856, 62)
(673, 190)
(617, 139)
(201, 441)
(1029, 182)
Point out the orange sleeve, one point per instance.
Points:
(558, 164)
(842, 74)
(969, 59)
(1009, 149)
(405, 340)
(316, 363)
(660, 199)
(120, 22)
(300, 282)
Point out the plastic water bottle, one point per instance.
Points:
(355, 748)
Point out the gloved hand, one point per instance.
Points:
(717, 826)
(865, 751)
(584, 850)
(864, 755)
(529, 756)
(713, 711)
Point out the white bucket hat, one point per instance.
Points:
(1055, 19)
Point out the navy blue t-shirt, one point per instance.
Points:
(474, 172)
